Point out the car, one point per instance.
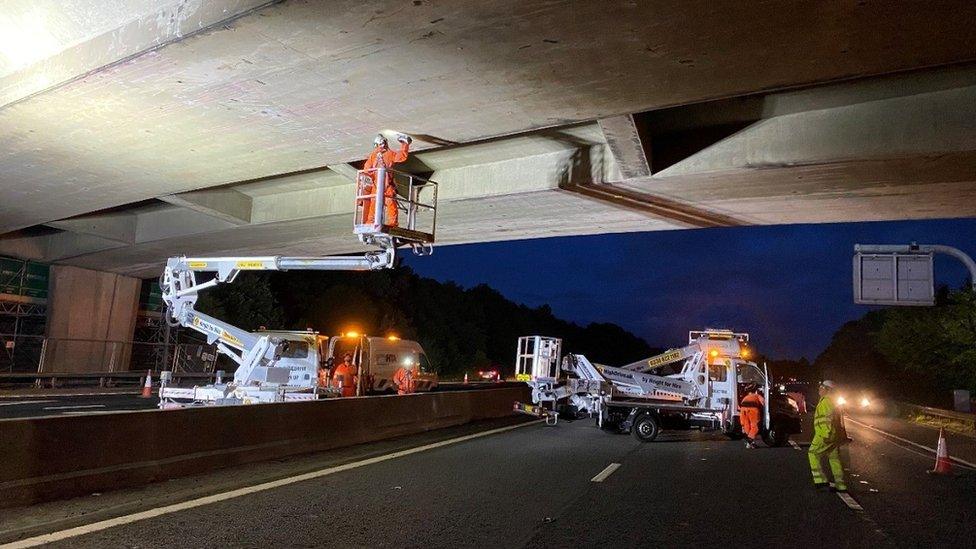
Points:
(490, 375)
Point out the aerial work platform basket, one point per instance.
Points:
(407, 216)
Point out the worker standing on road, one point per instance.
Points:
(828, 436)
(345, 376)
(403, 379)
(383, 157)
(750, 410)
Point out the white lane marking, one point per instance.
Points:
(906, 441)
(76, 407)
(22, 402)
(57, 395)
(849, 501)
(602, 475)
(94, 412)
(198, 502)
(795, 445)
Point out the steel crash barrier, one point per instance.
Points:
(959, 422)
(50, 458)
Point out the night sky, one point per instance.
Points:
(788, 286)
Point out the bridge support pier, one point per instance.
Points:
(91, 318)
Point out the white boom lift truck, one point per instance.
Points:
(715, 371)
(259, 378)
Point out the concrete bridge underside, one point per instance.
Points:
(136, 130)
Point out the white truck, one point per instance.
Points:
(704, 392)
(261, 376)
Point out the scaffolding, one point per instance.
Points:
(23, 313)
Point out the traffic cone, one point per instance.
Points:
(147, 388)
(943, 465)
(465, 378)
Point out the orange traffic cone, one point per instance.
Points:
(943, 465)
(465, 378)
(147, 388)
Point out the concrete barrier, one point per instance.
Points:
(58, 457)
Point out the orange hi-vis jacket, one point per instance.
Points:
(387, 159)
(404, 381)
(345, 376)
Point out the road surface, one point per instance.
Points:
(533, 486)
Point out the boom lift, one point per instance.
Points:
(258, 378)
(704, 393)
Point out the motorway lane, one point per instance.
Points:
(59, 404)
(914, 508)
(531, 487)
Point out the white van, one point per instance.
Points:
(380, 357)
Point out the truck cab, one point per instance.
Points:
(378, 358)
(302, 355)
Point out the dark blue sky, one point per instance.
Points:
(788, 286)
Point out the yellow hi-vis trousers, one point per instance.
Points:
(820, 449)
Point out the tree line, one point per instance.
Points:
(460, 329)
(919, 354)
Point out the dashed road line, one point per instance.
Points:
(198, 502)
(795, 445)
(602, 475)
(850, 501)
(76, 407)
(22, 402)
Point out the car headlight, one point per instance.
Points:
(865, 402)
(841, 401)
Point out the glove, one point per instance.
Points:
(404, 138)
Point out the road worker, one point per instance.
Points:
(324, 368)
(750, 412)
(828, 436)
(383, 157)
(403, 379)
(345, 376)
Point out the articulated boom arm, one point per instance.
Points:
(668, 357)
(180, 290)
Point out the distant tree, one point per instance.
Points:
(248, 303)
(935, 344)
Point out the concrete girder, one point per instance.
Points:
(223, 203)
(928, 123)
(627, 145)
(117, 226)
(346, 170)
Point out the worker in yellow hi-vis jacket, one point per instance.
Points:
(828, 436)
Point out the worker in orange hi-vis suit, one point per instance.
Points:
(383, 157)
(403, 379)
(323, 375)
(750, 410)
(345, 376)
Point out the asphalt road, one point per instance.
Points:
(87, 401)
(532, 486)
(72, 404)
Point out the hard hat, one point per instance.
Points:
(380, 140)
(828, 384)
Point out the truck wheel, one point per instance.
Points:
(776, 437)
(645, 428)
(732, 430)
